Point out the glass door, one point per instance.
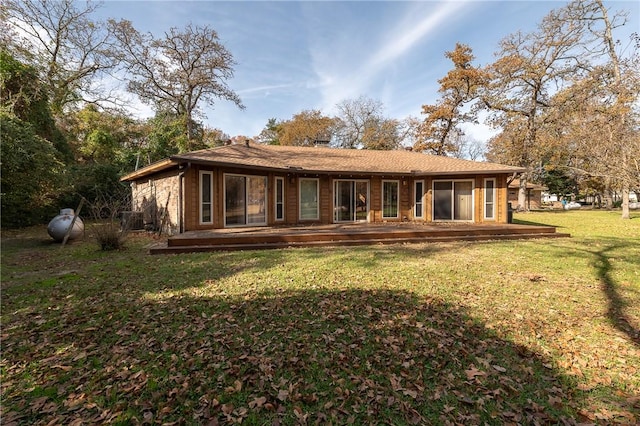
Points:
(463, 205)
(453, 200)
(351, 200)
(442, 200)
(362, 198)
(245, 200)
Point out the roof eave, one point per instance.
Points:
(150, 169)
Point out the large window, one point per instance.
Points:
(418, 209)
(279, 201)
(489, 198)
(206, 197)
(245, 200)
(309, 194)
(390, 199)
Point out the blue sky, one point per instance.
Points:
(297, 55)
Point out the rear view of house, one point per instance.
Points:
(247, 185)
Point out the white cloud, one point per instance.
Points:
(404, 37)
(345, 72)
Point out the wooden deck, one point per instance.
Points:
(257, 238)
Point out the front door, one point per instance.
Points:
(351, 200)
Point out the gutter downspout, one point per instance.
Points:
(183, 170)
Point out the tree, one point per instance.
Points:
(384, 134)
(23, 96)
(440, 133)
(623, 88)
(270, 134)
(306, 128)
(521, 82)
(360, 123)
(596, 133)
(178, 72)
(27, 197)
(214, 137)
(60, 39)
(357, 117)
(592, 131)
(560, 182)
(103, 136)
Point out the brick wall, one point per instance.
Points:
(157, 199)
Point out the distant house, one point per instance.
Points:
(533, 195)
(246, 185)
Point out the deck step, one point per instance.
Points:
(335, 236)
(199, 246)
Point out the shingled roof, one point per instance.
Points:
(327, 161)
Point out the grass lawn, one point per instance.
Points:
(499, 332)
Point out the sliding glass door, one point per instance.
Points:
(351, 200)
(245, 200)
(453, 200)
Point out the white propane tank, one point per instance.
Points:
(59, 225)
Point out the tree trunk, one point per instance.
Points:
(625, 202)
(522, 194)
(608, 194)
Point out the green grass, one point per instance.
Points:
(529, 332)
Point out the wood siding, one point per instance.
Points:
(167, 185)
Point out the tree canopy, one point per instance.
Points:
(440, 132)
(177, 72)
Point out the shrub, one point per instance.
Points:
(108, 229)
(109, 236)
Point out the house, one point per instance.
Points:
(533, 194)
(247, 185)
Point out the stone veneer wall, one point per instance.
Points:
(152, 196)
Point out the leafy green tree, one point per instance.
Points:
(30, 142)
(23, 96)
(27, 197)
(559, 182)
(163, 136)
(270, 134)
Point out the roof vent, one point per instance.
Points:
(246, 143)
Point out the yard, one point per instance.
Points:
(498, 332)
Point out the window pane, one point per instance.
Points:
(489, 191)
(205, 198)
(206, 213)
(418, 210)
(362, 192)
(279, 198)
(418, 199)
(390, 199)
(489, 196)
(256, 196)
(442, 200)
(206, 188)
(308, 199)
(489, 211)
(235, 200)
